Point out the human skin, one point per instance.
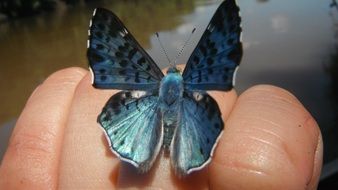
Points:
(270, 141)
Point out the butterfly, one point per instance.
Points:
(154, 110)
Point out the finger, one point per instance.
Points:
(86, 161)
(31, 158)
(270, 142)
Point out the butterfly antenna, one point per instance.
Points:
(165, 52)
(184, 45)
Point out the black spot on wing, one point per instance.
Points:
(196, 60)
(123, 63)
(95, 57)
(236, 54)
(141, 61)
(201, 151)
(126, 45)
(230, 41)
(213, 51)
(101, 26)
(99, 47)
(132, 53)
(108, 39)
(122, 142)
(137, 77)
(99, 35)
(210, 61)
(226, 69)
(106, 118)
(203, 50)
(128, 94)
(122, 72)
(122, 48)
(119, 54)
(148, 68)
(199, 80)
(102, 71)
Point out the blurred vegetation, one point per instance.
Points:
(19, 8)
(154, 15)
(23, 8)
(34, 47)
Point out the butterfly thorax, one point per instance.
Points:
(170, 96)
(171, 88)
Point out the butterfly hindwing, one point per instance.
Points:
(133, 126)
(199, 126)
(212, 64)
(116, 58)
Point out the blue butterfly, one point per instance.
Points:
(172, 111)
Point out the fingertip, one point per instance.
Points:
(67, 75)
(269, 137)
(59, 79)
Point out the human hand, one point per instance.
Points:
(270, 141)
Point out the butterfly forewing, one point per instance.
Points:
(212, 64)
(200, 125)
(115, 57)
(133, 126)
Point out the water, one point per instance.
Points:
(292, 44)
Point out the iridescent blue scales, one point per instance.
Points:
(215, 59)
(172, 111)
(116, 58)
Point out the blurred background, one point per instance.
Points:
(292, 44)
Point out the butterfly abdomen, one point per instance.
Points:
(170, 96)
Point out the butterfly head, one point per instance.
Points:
(173, 70)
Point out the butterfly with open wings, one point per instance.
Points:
(154, 110)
